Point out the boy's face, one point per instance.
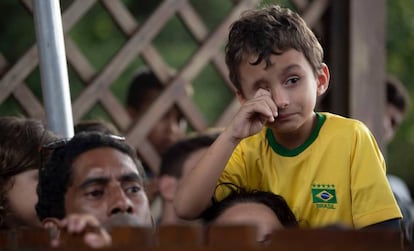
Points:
(106, 183)
(292, 85)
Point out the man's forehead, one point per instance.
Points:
(104, 161)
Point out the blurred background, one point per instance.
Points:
(99, 39)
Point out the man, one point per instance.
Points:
(90, 181)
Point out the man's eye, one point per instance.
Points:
(133, 189)
(95, 194)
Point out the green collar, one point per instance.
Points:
(278, 148)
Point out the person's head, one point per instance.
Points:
(95, 126)
(273, 49)
(143, 90)
(264, 210)
(93, 173)
(396, 108)
(177, 162)
(20, 139)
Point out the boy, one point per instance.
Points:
(328, 168)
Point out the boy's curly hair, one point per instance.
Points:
(270, 31)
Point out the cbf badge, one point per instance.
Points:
(324, 196)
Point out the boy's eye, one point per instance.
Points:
(292, 80)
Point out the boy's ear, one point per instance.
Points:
(323, 79)
(167, 186)
(240, 97)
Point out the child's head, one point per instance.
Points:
(144, 89)
(20, 139)
(396, 108)
(174, 160)
(270, 31)
(264, 210)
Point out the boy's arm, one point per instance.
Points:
(196, 189)
(194, 192)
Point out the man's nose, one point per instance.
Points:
(120, 203)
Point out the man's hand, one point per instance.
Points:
(85, 225)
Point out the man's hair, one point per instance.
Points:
(56, 175)
(20, 139)
(270, 31)
(240, 195)
(143, 82)
(397, 94)
(173, 159)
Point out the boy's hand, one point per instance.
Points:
(253, 115)
(94, 235)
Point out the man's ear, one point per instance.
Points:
(323, 80)
(167, 186)
(240, 97)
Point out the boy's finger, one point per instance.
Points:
(261, 92)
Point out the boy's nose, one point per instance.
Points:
(280, 97)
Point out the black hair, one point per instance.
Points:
(240, 195)
(143, 82)
(55, 176)
(397, 94)
(173, 159)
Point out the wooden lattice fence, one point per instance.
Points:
(139, 43)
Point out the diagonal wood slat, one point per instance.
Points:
(213, 43)
(24, 96)
(124, 57)
(138, 43)
(26, 64)
(128, 25)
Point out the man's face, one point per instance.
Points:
(105, 183)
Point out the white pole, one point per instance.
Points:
(53, 68)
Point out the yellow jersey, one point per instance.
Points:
(336, 177)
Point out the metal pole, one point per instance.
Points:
(53, 68)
